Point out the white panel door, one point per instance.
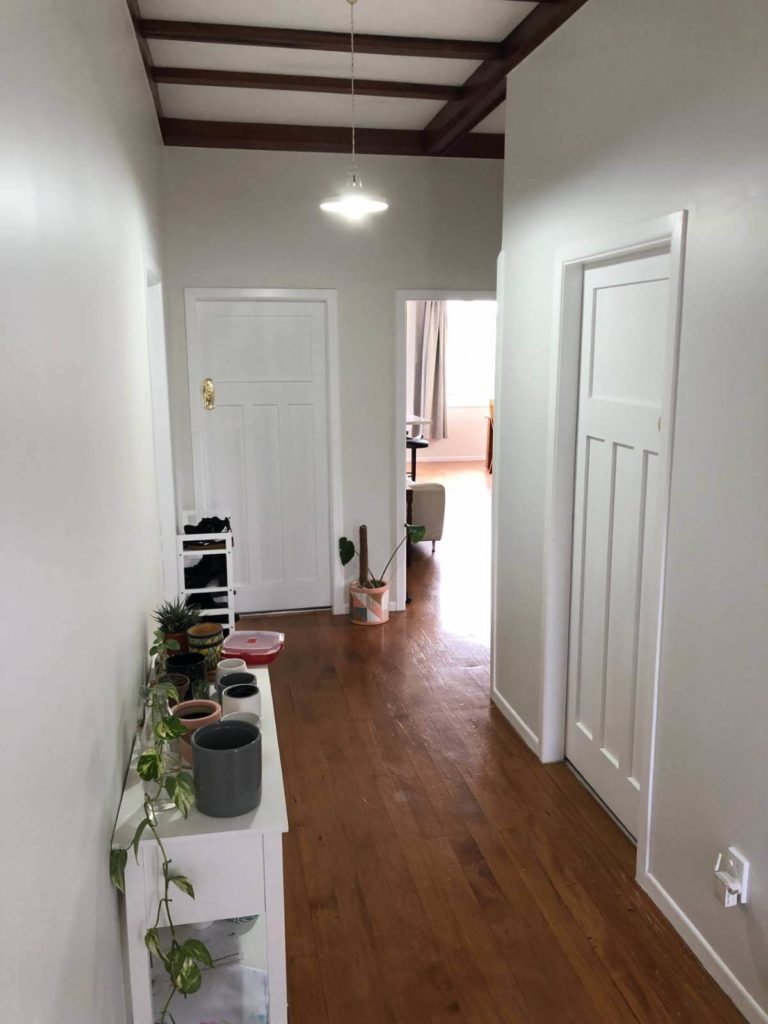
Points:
(616, 541)
(261, 453)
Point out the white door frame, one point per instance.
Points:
(327, 296)
(161, 427)
(669, 233)
(401, 342)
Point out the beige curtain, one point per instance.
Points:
(429, 369)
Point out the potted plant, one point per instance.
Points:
(369, 596)
(165, 783)
(174, 618)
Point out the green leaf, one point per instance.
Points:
(184, 972)
(415, 533)
(171, 645)
(346, 550)
(184, 793)
(183, 883)
(152, 942)
(170, 728)
(137, 836)
(198, 951)
(189, 978)
(150, 765)
(117, 861)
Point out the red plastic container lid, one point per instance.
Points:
(255, 647)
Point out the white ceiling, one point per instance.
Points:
(486, 20)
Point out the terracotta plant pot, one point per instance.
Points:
(368, 606)
(180, 682)
(206, 638)
(181, 640)
(194, 714)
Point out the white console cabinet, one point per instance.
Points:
(234, 864)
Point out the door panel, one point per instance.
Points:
(616, 558)
(262, 452)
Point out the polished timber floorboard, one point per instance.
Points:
(435, 872)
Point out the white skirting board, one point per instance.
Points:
(521, 728)
(450, 458)
(693, 938)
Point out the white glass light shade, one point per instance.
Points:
(354, 205)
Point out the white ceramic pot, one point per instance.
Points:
(242, 716)
(241, 697)
(228, 665)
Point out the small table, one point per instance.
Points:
(234, 864)
(417, 421)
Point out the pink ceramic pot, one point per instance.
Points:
(194, 714)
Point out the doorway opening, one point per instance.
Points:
(445, 402)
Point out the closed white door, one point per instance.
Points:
(261, 452)
(617, 540)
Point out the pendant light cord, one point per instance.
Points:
(352, 70)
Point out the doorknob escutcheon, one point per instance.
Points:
(209, 394)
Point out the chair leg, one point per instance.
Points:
(433, 547)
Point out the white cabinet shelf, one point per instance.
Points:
(195, 547)
(234, 864)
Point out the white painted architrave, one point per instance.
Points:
(161, 426)
(329, 298)
(398, 584)
(668, 232)
(497, 696)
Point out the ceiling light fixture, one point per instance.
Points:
(354, 203)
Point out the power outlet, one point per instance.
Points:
(731, 878)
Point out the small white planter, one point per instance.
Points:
(369, 606)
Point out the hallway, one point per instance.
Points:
(435, 871)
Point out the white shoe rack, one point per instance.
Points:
(190, 548)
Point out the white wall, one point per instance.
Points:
(79, 162)
(250, 219)
(629, 112)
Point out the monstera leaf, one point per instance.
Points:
(346, 550)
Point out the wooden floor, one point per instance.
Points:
(435, 872)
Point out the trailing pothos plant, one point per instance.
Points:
(162, 646)
(182, 960)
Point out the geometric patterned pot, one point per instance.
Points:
(368, 606)
(206, 638)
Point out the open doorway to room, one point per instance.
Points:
(446, 380)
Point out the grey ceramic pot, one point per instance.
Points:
(226, 764)
(234, 679)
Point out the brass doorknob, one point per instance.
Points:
(209, 394)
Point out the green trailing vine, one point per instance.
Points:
(182, 960)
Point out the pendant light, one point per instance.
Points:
(354, 203)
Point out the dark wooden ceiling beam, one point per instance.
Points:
(146, 56)
(304, 39)
(303, 83)
(485, 89)
(316, 139)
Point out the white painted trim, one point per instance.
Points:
(161, 426)
(328, 296)
(667, 232)
(449, 458)
(521, 728)
(398, 582)
(706, 953)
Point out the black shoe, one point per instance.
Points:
(210, 524)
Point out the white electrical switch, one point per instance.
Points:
(731, 878)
